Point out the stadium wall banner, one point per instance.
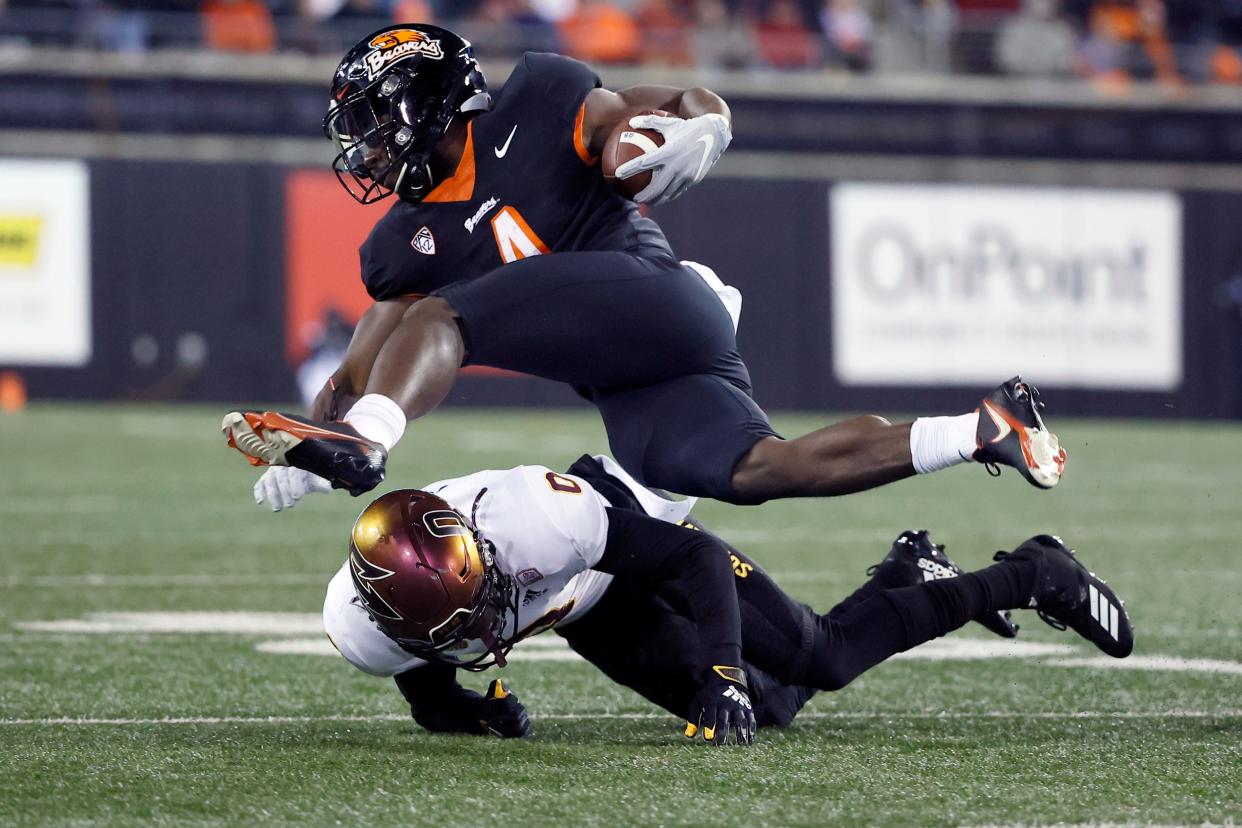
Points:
(45, 280)
(957, 285)
(324, 228)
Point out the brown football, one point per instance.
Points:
(624, 144)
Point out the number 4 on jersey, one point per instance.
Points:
(514, 237)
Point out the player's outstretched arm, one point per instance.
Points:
(695, 565)
(349, 381)
(407, 353)
(283, 487)
(441, 705)
(693, 140)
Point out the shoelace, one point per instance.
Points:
(1050, 621)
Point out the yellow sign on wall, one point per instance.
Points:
(19, 239)
(45, 264)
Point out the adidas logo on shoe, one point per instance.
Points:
(1102, 610)
(933, 571)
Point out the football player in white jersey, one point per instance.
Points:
(452, 577)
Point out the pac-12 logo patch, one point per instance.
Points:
(424, 242)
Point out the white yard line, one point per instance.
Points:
(1158, 663)
(24, 505)
(302, 634)
(190, 623)
(1110, 825)
(157, 581)
(256, 580)
(573, 717)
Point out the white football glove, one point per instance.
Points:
(281, 487)
(691, 148)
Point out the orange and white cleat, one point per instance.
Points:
(333, 450)
(1011, 433)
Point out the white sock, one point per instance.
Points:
(378, 418)
(939, 442)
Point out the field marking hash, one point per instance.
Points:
(574, 717)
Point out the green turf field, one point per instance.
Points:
(121, 521)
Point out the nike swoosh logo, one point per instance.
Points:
(709, 144)
(500, 151)
(1002, 426)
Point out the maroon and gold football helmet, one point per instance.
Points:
(429, 580)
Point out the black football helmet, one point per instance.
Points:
(394, 96)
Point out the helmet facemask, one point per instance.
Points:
(393, 105)
(385, 135)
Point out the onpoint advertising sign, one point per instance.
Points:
(967, 285)
(45, 283)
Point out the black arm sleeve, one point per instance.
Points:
(694, 563)
(438, 702)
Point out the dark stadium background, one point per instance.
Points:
(217, 245)
(923, 198)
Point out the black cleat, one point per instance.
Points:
(914, 559)
(1068, 595)
(333, 450)
(1012, 433)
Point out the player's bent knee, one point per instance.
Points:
(431, 308)
(777, 713)
(439, 323)
(837, 679)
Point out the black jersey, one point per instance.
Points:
(526, 185)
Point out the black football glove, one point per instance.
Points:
(722, 705)
(501, 714)
(453, 712)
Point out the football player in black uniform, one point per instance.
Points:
(456, 575)
(507, 248)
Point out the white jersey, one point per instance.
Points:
(548, 528)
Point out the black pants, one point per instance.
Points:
(646, 640)
(641, 336)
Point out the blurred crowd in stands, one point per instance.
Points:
(1112, 42)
